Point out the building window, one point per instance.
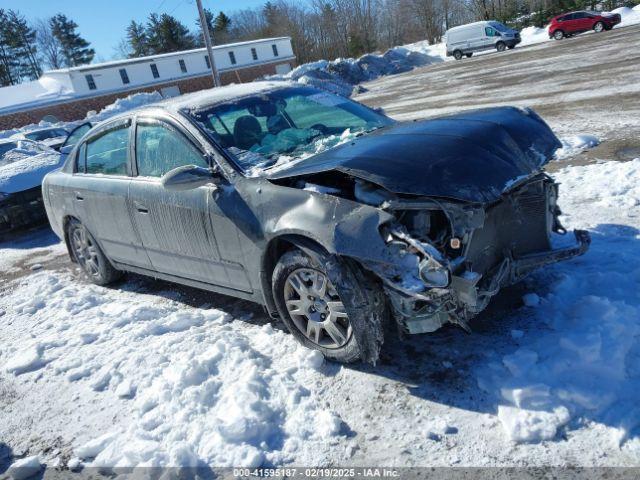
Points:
(206, 60)
(154, 70)
(274, 47)
(90, 82)
(183, 67)
(124, 76)
(232, 57)
(254, 54)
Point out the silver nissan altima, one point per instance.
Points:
(333, 216)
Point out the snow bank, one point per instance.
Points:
(197, 387)
(120, 105)
(341, 75)
(575, 144)
(532, 35)
(630, 16)
(24, 468)
(583, 364)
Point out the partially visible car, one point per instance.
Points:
(569, 24)
(52, 137)
(473, 37)
(23, 165)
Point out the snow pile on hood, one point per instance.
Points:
(630, 16)
(585, 362)
(25, 167)
(341, 75)
(199, 388)
(575, 144)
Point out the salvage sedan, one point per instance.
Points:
(330, 214)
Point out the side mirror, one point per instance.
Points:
(187, 177)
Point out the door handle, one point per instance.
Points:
(79, 196)
(140, 207)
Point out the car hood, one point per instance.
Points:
(473, 156)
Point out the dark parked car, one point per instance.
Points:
(569, 24)
(328, 213)
(21, 175)
(53, 137)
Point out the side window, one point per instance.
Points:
(490, 32)
(160, 149)
(108, 153)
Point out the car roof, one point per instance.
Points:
(205, 98)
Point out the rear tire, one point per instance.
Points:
(511, 47)
(86, 251)
(468, 55)
(599, 27)
(558, 35)
(343, 321)
(457, 54)
(501, 46)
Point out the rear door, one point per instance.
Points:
(99, 191)
(570, 23)
(176, 226)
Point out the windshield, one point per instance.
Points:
(270, 129)
(6, 147)
(500, 27)
(44, 134)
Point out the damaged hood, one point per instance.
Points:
(472, 156)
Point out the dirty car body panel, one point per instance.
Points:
(442, 213)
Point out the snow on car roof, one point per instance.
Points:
(221, 94)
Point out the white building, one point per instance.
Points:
(93, 86)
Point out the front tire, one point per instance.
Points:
(599, 27)
(457, 54)
(468, 55)
(88, 254)
(501, 46)
(343, 321)
(558, 35)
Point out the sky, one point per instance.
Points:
(103, 22)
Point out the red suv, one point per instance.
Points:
(569, 24)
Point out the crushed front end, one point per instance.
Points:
(450, 257)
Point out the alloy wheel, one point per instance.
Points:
(316, 309)
(598, 27)
(85, 251)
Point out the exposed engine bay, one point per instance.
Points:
(448, 258)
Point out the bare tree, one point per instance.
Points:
(48, 45)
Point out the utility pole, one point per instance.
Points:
(207, 42)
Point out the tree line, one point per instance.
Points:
(319, 29)
(27, 48)
(328, 29)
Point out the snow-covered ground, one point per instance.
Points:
(135, 376)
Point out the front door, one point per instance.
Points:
(176, 226)
(99, 191)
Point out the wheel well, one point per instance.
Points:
(65, 223)
(275, 249)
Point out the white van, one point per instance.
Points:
(466, 39)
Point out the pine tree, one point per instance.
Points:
(137, 39)
(167, 34)
(221, 25)
(18, 56)
(75, 49)
(23, 44)
(208, 16)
